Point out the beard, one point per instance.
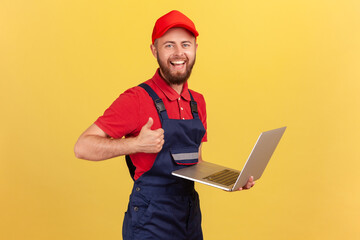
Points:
(176, 78)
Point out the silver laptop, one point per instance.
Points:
(231, 179)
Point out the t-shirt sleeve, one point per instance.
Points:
(202, 115)
(122, 117)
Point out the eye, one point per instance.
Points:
(186, 45)
(168, 45)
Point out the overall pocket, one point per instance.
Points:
(185, 155)
(139, 207)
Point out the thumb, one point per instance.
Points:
(149, 123)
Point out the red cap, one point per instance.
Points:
(170, 20)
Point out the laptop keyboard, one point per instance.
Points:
(225, 177)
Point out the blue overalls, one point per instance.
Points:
(162, 206)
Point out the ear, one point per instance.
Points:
(153, 50)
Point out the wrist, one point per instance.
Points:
(133, 145)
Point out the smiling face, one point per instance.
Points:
(175, 52)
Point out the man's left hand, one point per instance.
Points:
(250, 183)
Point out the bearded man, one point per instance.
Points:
(159, 118)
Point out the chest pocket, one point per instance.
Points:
(185, 156)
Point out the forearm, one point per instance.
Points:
(93, 147)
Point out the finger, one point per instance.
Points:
(158, 134)
(160, 146)
(159, 130)
(250, 182)
(149, 123)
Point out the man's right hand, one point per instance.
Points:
(150, 141)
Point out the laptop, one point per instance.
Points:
(231, 179)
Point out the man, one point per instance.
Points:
(158, 118)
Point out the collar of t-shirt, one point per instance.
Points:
(169, 92)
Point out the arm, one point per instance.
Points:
(95, 144)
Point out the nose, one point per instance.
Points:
(178, 51)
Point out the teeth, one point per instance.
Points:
(178, 62)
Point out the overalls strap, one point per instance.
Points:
(157, 101)
(194, 108)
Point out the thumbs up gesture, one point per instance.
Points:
(150, 141)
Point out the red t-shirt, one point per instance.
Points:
(132, 109)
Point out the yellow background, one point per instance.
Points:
(260, 65)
